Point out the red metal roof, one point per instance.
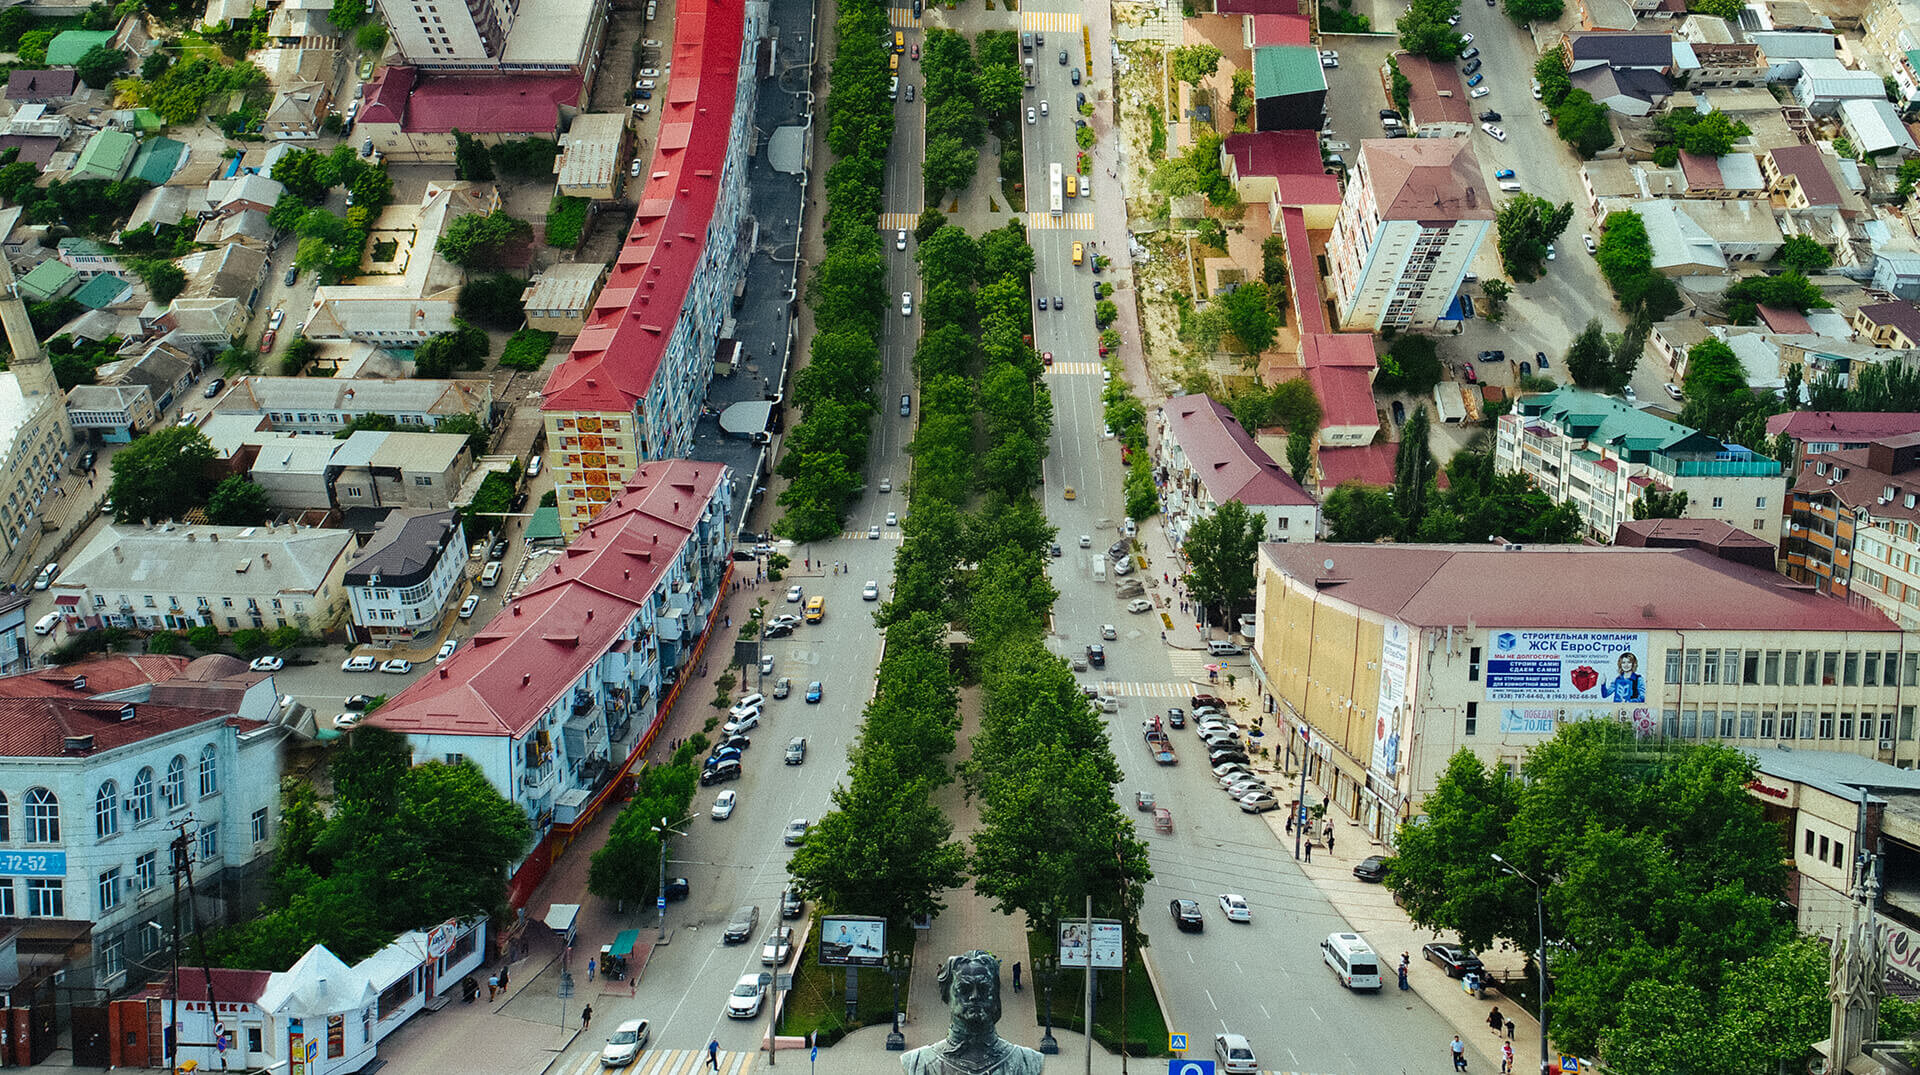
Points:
(103, 675)
(385, 100)
(1783, 319)
(1808, 165)
(1346, 396)
(1276, 153)
(1338, 349)
(1225, 459)
(491, 104)
(532, 651)
(229, 986)
(1303, 275)
(1843, 426)
(1620, 588)
(1370, 464)
(1904, 316)
(1281, 30)
(612, 363)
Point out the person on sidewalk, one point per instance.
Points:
(1506, 1057)
(1495, 1021)
(713, 1054)
(1016, 977)
(1509, 1029)
(586, 1017)
(590, 969)
(1459, 1054)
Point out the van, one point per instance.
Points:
(1510, 187)
(1073, 186)
(816, 609)
(1219, 648)
(1100, 569)
(1079, 252)
(899, 41)
(893, 89)
(893, 61)
(359, 664)
(533, 467)
(491, 574)
(1352, 961)
(45, 624)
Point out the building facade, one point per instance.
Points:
(328, 405)
(1603, 454)
(176, 576)
(633, 383)
(1209, 460)
(1412, 218)
(1853, 525)
(399, 584)
(1394, 657)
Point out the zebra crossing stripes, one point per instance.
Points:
(1189, 663)
(901, 18)
(1074, 367)
(1063, 222)
(898, 221)
(1049, 22)
(861, 535)
(1143, 690)
(670, 1062)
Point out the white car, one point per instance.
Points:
(778, 947)
(906, 304)
(1480, 91)
(794, 594)
(743, 723)
(1466, 39)
(1108, 632)
(900, 240)
(1592, 247)
(1139, 604)
(468, 606)
(649, 72)
(266, 664)
(1030, 114)
(893, 518)
(1235, 1054)
(1498, 134)
(1536, 89)
(1235, 907)
(723, 806)
(1086, 541)
(871, 591)
(627, 1041)
(276, 319)
(1672, 390)
(1552, 252)
(744, 1001)
(796, 833)
(396, 666)
(346, 721)
(446, 651)
(750, 704)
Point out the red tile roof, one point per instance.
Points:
(1346, 396)
(41, 727)
(1225, 459)
(1338, 349)
(1303, 277)
(531, 652)
(229, 986)
(1370, 464)
(1782, 319)
(491, 104)
(385, 100)
(103, 674)
(1258, 7)
(1276, 153)
(1281, 30)
(613, 361)
(1702, 171)
(1619, 588)
(1847, 427)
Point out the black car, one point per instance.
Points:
(791, 905)
(1079, 99)
(1054, 551)
(736, 742)
(1119, 548)
(1176, 717)
(1076, 76)
(1207, 701)
(1097, 655)
(1490, 116)
(1472, 66)
(520, 501)
(1059, 302)
(88, 458)
(726, 770)
(292, 275)
(1372, 869)
(214, 386)
(1455, 959)
(1388, 113)
(1063, 57)
(1223, 755)
(777, 630)
(1187, 916)
(498, 550)
(678, 889)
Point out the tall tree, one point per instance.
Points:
(1656, 504)
(1804, 254)
(1586, 359)
(1526, 224)
(162, 475)
(1300, 456)
(1413, 472)
(1192, 63)
(1250, 317)
(1221, 549)
(238, 502)
(884, 849)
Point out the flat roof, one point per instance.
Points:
(590, 150)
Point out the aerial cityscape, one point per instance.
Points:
(706, 535)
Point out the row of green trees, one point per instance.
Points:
(329, 244)
(1661, 879)
(1625, 257)
(826, 448)
(964, 94)
(1477, 501)
(1580, 120)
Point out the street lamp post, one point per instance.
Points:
(897, 963)
(663, 830)
(1540, 954)
(1045, 966)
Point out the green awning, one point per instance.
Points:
(623, 944)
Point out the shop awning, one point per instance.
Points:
(623, 944)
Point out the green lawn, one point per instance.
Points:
(1146, 1027)
(819, 1002)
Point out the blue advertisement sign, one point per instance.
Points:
(33, 863)
(1567, 666)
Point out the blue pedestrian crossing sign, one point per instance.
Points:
(1176, 1043)
(1189, 1067)
(1569, 1065)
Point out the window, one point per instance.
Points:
(6, 819)
(43, 817)
(1826, 724)
(1809, 843)
(1473, 664)
(1712, 672)
(254, 1044)
(1806, 725)
(106, 810)
(1726, 723)
(209, 843)
(1824, 843)
(1766, 723)
(1886, 725)
(1670, 723)
(1473, 716)
(1871, 676)
(1692, 674)
(1773, 668)
(175, 789)
(260, 826)
(1850, 669)
(146, 871)
(1792, 676)
(1846, 725)
(1750, 668)
(1839, 853)
(1690, 723)
(113, 961)
(140, 803)
(1830, 668)
(7, 908)
(1910, 670)
(209, 772)
(455, 759)
(1906, 722)
(46, 897)
(1719, 502)
(1673, 666)
(110, 889)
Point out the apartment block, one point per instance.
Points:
(1415, 212)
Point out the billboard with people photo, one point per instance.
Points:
(1567, 666)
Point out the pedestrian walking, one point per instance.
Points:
(590, 969)
(1506, 1056)
(1495, 1021)
(503, 977)
(493, 987)
(1016, 977)
(1509, 1029)
(1403, 978)
(586, 1017)
(713, 1054)
(1309, 848)
(1459, 1054)
(633, 985)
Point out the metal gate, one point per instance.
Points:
(90, 1045)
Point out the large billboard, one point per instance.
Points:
(1103, 947)
(852, 942)
(1547, 719)
(1568, 666)
(1389, 712)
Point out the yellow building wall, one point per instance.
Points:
(592, 456)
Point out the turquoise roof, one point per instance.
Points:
(49, 279)
(1283, 70)
(107, 156)
(157, 160)
(1605, 420)
(544, 525)
(102, 291)
(68, 46)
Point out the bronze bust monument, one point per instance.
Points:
(970, 984)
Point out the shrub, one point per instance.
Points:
(528, 349)
(566, 221)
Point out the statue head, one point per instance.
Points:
(970, 986)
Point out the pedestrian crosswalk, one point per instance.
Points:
(862, 535)
(901, 18)
(1074, 367)
(899, 221)
(1050, 22)
(1144, 690)
(1189, 663)
(671, 1062)
(1063, 222)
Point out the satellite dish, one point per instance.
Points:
(1327, 564)
(1817, 1066)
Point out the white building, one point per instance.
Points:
(532, 36)
(408, 294)
(398, 585)
(175, 576)
(1210, 460)
(1412, 218)
(1604, 454)
(329, 404)
(101, 760)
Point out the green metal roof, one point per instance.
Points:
(101, 292)
(1614, 422)
(49, 278)
(1282, 70)
(68, 46)
(156, 160)
(107, 155)
(544, 525)
(77, 244)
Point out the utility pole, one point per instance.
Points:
(1088, 949)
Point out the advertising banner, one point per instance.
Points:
(1389, 712)
(1546, 720)
(852, 942)
(1567, 666)
(1103, 947)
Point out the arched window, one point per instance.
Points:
(174, 791)
(209, 772)
(6, 819)
(140, 803)
(43, 816)
(106, 810)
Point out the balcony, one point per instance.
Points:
(1718, 465)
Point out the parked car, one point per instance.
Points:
(396, 666)
(723, 804)
(1372, 869)
(778, 947)
(1455, 959)
(796, 833)
(266, 664)
(726, 770)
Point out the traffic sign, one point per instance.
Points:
(660, 902)
(1189, 1067)
(1176, 1043)
(1569, 1065)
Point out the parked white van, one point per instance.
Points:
(359, 664)
(1353, 962)
(1099, 569)
(491, 574)
(45, 624)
